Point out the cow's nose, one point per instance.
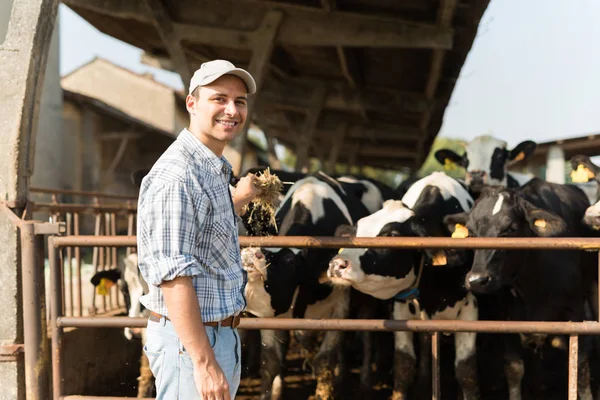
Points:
(259, 255)
(338, 263)
(477, 175)
(477, 281)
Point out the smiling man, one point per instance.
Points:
(188, 246)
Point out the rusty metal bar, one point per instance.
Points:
(573, 364)
(378, 242)
(10, 352)
(435, 367)
(96, 250)
(130, 229)
(81, 193)
(78, 264)
(69, 221)
(83, 208)
(113, 264)
(107, 264)
(450, 326)
(55, 315)
(34, 316)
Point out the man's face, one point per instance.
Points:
(220, 110)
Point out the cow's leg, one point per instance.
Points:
(465, 360)
(404, 355)
(329, 356)
(272, 355)
(514, 368)
(583, 375)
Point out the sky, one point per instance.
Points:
(533, 72)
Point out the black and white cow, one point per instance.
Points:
(534, 285)
(585, 170)
(289, 282)
(393, 273)
(486, 159)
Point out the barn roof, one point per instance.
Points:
(375, 75)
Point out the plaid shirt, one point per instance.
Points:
(187, 227)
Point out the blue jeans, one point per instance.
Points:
(172, 366)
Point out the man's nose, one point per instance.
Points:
(231, 109)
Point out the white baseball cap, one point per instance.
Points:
(212, 70)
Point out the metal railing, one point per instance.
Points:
(59, 322)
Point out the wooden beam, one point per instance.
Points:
(337, 141)
(444, 20)
(308, 127)
(165, 27)
(264, 41)
(303, 27)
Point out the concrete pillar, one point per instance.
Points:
(22, 65)
(555, 165)
(53, 150)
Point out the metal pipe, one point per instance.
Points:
(113, 232)
(81, 193)
(573, 363)
(68, 220)
(555, 328)
(107, 264)
(435, 367)
(78, 264)
(34, 316)
(55, 315)
(378, 242)
(96, 250)
(130, 229)
(83, 208)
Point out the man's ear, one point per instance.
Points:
(450, 159)
(522, 151)
(543, 223)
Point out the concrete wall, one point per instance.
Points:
(53, 168)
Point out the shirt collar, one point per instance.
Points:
(200, 152)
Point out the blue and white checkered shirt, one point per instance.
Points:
(187, 227)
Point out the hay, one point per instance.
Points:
(264, 206)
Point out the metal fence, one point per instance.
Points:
(59, 321)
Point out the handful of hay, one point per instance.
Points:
(263, 207)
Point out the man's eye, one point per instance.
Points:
(241, 103)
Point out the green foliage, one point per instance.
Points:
(431, 164)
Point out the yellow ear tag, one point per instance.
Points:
(449, 165)
(540, 223)
(582, 174)
(519, 157)
(460, 231)
(340, 252)
(104, 286)
(439, 259)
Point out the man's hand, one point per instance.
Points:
(245, 191)
(210, 381)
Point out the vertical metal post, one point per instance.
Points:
(114, 264)
(34, 315)
(573, 362)
(107, 261)
(435, 366)
(78, 264)
(130, 227)
(69, 266)
(95, 264)
(55, 312)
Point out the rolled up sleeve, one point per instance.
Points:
(169, 221)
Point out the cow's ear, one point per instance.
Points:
(345, 231)
(456, 224)
(450, 159)
(543, 223)
(584, 169)
(522, 151)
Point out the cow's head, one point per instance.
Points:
(486, 159)
(585, 170)
(381, 273)
(502, 212)
(272, 279)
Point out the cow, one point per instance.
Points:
(486, 159)
(585, 170)
(289, 282)
(133, 286)
(534, 285)
(410, 278)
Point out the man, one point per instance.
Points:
(188, 244)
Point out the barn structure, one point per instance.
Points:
(357, 82)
